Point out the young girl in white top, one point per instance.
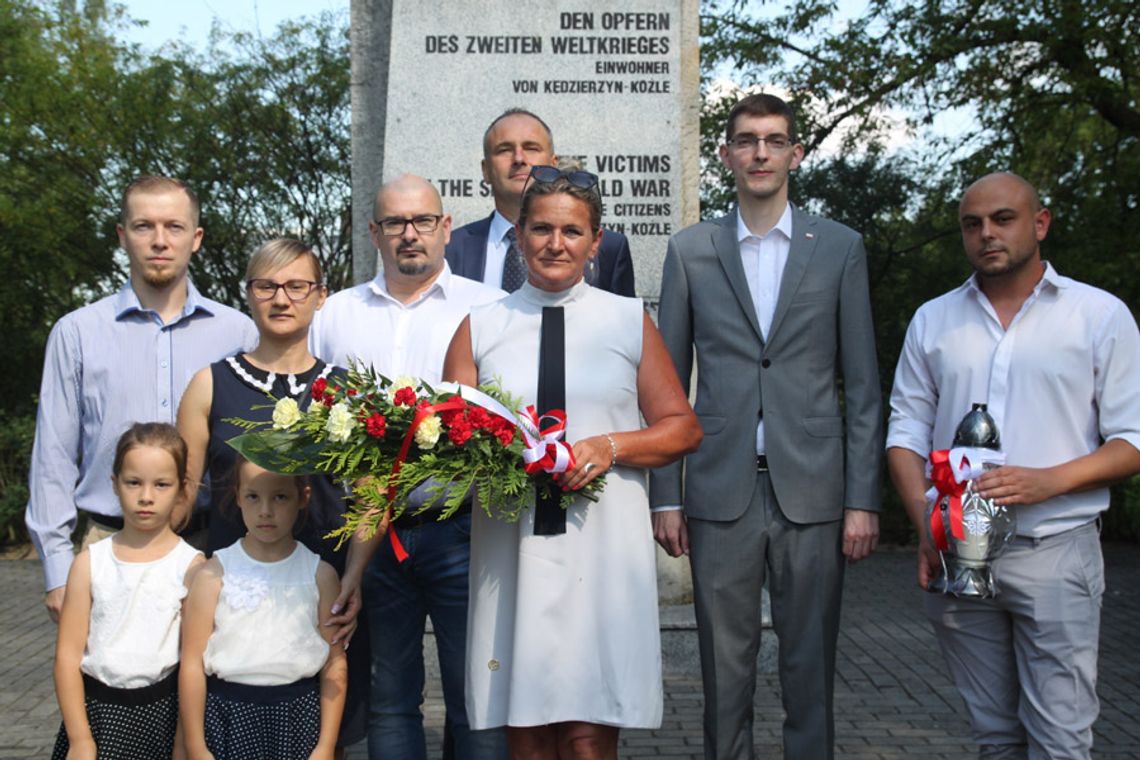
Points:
(254, 641)
(116, 658)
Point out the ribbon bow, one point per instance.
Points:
(946, 482)
(950, 469)
(545, 451)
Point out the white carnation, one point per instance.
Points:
(340, 423)
(286, 414)
(403, 381)
(427, 434)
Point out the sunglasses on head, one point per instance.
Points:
(576, 177)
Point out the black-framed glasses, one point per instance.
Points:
(295, 290)
(576, 177)
(748, 143)
(395, 225)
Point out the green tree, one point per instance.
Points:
(259, 127)
(56, 74)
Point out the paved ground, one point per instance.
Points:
(892, 698)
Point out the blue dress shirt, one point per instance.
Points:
(108, 365)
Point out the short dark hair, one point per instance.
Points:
(153, 184)
(761, 104)
(516, 112)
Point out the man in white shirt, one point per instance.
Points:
(1058, 363)
(401, 323)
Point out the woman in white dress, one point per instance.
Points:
(563, 645)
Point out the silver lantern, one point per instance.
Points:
(969, 531)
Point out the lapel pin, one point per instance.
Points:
(809, 236)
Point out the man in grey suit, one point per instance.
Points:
(786, 483)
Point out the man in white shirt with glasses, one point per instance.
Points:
(401, 323)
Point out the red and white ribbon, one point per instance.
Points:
(545, 450)
(949, 470)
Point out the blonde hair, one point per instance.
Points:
(281, 252)
(149, 184)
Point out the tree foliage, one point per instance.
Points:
(259, 127)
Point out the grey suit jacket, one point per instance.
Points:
(824, 455)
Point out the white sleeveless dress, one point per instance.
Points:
(136, 615)
(565, 627)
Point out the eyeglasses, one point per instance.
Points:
(576, 177)
(395, 225)
(749, 143)
(295, 290)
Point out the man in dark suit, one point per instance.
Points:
(786, 482)
(483, 250)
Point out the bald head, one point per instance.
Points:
(407, 185)
(1003, 225)
(1007, 184)
(410, 232)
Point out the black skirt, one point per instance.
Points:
(262, 722)
(129, 724)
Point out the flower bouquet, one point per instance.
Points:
(389, 436)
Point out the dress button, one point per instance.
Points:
(493, 665)
(766, 363)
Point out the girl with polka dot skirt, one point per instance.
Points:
(116, 660)
(259, 679)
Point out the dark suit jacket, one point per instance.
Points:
(467, 255)
(824, 454)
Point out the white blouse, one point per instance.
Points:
(136, 616)
(266, 624)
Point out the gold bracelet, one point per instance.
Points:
(613, 450)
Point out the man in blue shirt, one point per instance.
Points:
(123, 359)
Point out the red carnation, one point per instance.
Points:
(351, 391)
(376, 425)
(505, 433)
(319, 388)
(459, 433)
(479, 418)
(404, 397)
(328, 400)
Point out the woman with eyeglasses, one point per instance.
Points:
(563, 640)
(284, 290)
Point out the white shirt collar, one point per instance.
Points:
(1050, 277)
(784, 225)
(499, 227)
(442, 284)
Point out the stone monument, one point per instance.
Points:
(618, 84)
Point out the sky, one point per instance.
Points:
(190, 20)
